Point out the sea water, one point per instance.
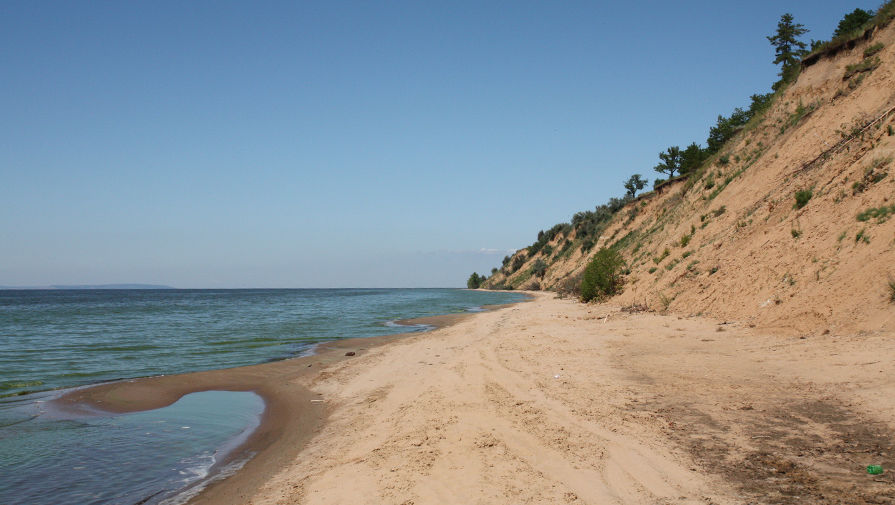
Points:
(57, 339)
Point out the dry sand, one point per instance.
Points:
(553, 401)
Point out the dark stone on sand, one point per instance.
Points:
(349, 353)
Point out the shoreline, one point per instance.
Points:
(292, 413)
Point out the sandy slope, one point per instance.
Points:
(729, 242)
(556, 402)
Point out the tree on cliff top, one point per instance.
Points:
(634, 184)
(788, 48)
(671, 161)
(852, 22)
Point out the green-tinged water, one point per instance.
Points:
(59, 339)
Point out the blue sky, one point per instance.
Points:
(336, 144)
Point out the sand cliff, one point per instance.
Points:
(736, 246)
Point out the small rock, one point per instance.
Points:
(349, 353)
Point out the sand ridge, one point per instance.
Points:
(557, 402)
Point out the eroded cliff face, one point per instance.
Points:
(730, 242)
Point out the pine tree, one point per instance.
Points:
(788, 48)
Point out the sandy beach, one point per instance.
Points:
(553, 401)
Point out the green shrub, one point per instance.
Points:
(602, 277)
(518, 261)
(862, 236)
(653, 269)
(802, 197)
(795, 233)
(547, 250)
(539, 268)
(891, 290)
(724, 159)
(685, 239)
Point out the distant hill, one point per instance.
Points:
(93, 286)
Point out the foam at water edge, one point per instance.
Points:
(200, 480)
(197, 487)
(416, 327)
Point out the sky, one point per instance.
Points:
(345, 144)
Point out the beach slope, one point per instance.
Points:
(553, 401)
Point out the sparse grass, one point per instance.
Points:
(799, 114)
(720, 210)
(873, 173)
(866, 65)
(691, 267)
(891, 290)
(889, 130)
(881, 214)
(685, 239)
(842, 236)
(879, 162)
(686, 254)
(653, 269)
(665, 301)
(662, 256)
(875, 48)
(802, 198)
(724, 159)
(795, 233)
(862, 236)
(713, 270)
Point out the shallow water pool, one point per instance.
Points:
(152, 457)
